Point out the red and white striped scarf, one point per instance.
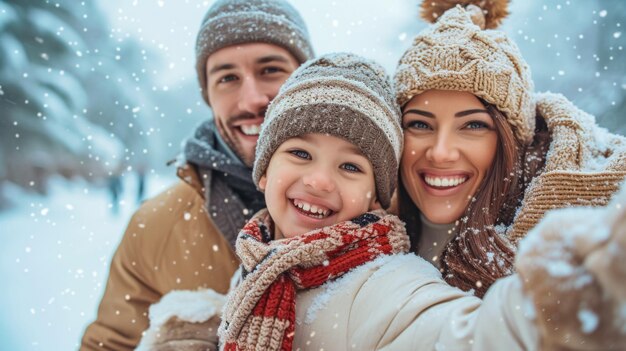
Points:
(260, 312)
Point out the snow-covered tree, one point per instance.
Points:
(69, 98)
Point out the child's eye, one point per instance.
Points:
(417, 125)
(477, 125)
(351, 167)
(300, 154)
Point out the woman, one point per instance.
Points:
(484, 156)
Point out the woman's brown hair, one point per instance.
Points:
(480, 254)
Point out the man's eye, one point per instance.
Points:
(227, 78)
(271, 69)
(351, 167)
(301, 154)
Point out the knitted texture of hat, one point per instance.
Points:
(456, 54)
(343, 95)
(232, 22)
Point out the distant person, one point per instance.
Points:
(115, 188)
(184, 237)
(141, 186)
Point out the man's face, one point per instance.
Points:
(241, 81)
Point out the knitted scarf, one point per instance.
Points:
(585, 165)
(260, 312)
(231, 196)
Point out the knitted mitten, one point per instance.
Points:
(184, 320)
(572, 265)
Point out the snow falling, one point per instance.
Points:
(97, 96)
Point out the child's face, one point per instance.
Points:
(315, 181)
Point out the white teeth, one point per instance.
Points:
(317, 210)
(251, 129)
(444, 182)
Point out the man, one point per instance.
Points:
(183, 238)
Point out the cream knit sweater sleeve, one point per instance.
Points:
(402, 303)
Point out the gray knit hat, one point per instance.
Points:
(343, 95)
(232, 22)
(457, 53)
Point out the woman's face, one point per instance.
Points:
(449, 144)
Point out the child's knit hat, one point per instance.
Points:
(343, 95)
(232, 22)
(457, 53)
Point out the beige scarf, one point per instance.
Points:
(585, 164)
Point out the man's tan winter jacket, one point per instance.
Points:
(170, 244)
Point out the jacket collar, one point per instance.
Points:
(189, 174)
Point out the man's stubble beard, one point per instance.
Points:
(229, 136)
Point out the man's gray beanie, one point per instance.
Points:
(232, 22)
(343, 95)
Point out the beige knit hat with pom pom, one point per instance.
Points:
(458, 53)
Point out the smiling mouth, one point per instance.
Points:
(250, 129)
(444, 182)
(313, 211)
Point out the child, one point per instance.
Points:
(327, 155)
(323, 267)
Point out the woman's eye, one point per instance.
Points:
(351, 167)
(417, 125)
(477, 125)
(301, 154)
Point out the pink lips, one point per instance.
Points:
(243, 122)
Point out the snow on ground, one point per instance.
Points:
(54, 258)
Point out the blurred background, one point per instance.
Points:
(96, 96)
